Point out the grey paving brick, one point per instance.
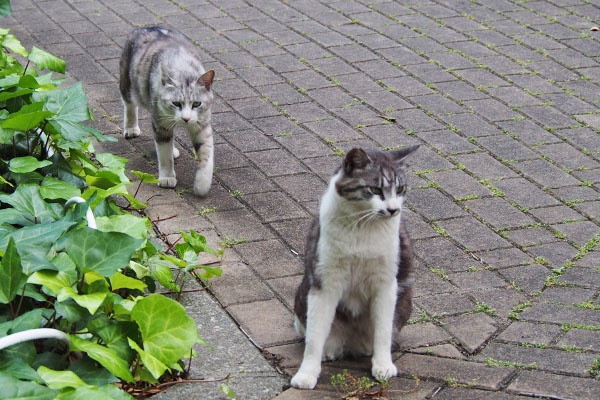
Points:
(552, 215)
(274, 206)
(566, 295)
(484, 166)
(458, 184)
(472, 234)
(335, 130)
(545, 384)
(246, 180)
(545, 173)
(528, 132)
(544, 359)
(447, 255)
(239, 285)
(271, 162)
(260, 329)
(526, 332)
(425, 202)
(471, 330)
(586, 277)
(474, 374)
(499, 213)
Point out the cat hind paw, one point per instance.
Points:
(167, 182)
(303, 380)
(384, 371)
(131, 132)
(175, 152)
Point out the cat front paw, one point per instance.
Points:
(303, 380)
(167, 182)
(202, 183)
(384, 371)
(132, 132)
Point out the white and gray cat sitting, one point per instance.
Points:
(161, 71)
(356, 293)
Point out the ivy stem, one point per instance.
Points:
(137, 189)
(187, 372)
(26, 65)
(163, 219)
(21, 300)
(12, 311)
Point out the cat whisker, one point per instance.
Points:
(364, 220)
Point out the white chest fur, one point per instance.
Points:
(355, 260)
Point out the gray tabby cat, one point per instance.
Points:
(357, 289)
(161, 71)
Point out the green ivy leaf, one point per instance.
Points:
(101, 252)
(45, 60)
(130, 224)
(27, 164)
(105, 356)
(53, 281)
(144, 177)
(106, 392)
(90, 302)
(18, 93)
(120, 281)
(225, 389)
(52, 188)
(90, 373)
(67, 104)
(71, 311)
(17, 368)
(168, 333)
(163, 274)
(15, 389)
(5, 9)
(27, 118)
(60, 379)
(12, 43)
(197, 242)
(11, 273)
(28, 199)
(34, 243)
(151, 363)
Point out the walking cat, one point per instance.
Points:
(161, 71)
(356, 293)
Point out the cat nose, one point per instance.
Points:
(186, 119)
(393, 211)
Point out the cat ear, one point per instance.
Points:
(207, 79)
(356, 159)
(400, 154)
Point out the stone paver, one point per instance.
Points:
(503, 97)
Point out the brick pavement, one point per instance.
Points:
(504, 203)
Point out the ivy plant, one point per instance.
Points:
(94, 282)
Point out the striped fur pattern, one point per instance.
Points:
(161, 72)
(356, 292)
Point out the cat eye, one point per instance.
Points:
(196, 104)
(400, 190)
(177, 104)
(376, 190)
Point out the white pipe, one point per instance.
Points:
(89, 215)
(33, 334)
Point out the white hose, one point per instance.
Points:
(32, 334)
(89, 215)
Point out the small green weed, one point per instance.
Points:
(207, 210)
(499, 363)
(349, 387)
